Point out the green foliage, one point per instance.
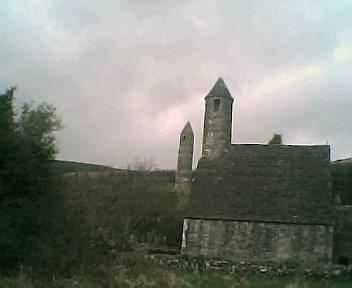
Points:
(96, 216)
(36, 145)
(19, 222)
(277, 139)
(36, 127)
(7, 129)
(26, 146)
(137, 272)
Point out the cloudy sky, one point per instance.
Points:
(125, 76)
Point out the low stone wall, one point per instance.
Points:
(257, 241)
(267, 270)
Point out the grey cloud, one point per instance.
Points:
(115, 70)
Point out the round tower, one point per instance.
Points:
(217, 120)
(183, 180)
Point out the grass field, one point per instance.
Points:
(164, 278)
(217, 280)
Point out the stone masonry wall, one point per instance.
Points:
(342, 180)
(217, 127)
(183, 178)
(343, 235)
(257, 242)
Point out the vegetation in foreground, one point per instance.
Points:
(27, 144)
(134, 270)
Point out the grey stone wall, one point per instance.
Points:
(217, 127)
(183, 186)
(342, 180)
(343, 234)
(183, 177)
(217, 121)
(257, 242)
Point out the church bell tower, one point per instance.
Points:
(217, 121)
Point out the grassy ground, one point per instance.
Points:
(161, 277)
(215, 280)
(135, 269)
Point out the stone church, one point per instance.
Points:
(254, 202)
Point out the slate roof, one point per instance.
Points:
(267, 183)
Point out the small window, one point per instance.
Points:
(343, 261)
(216, 105)
(184, 137)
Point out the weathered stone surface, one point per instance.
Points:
(258, 242)
(217, 120)
(183, 177)
(343, 235)
(268, 270)
(272, 183)
(341, 171)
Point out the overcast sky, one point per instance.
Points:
(126, 76)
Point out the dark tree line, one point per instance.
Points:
(27, 144)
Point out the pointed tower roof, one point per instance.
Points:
(187, 128)
(219, 90)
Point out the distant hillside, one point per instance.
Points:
(71, 168)
(62, 166)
